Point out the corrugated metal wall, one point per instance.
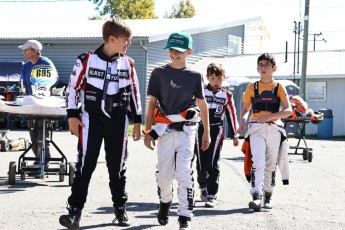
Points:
(215, 43)
(334, 88)
(138, 54)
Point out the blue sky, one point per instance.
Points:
(278, 16)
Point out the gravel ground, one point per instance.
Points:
(313, 200)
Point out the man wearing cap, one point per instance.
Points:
(32, 52)
(173, 88)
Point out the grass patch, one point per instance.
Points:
(130, 129)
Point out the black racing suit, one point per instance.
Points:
(108, 91)
(220, 104)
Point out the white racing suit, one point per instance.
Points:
(267, 151)
(175, 152)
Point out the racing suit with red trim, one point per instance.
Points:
(220, 105)
(108, 91)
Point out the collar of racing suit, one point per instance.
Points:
(210, 88)
(101, 55)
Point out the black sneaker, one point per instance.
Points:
(163, 213)
(256, 203)
(71, 221)
(203, 194)
(184, 222)
(121, 216)
(267, 200)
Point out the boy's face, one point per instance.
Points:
(215, 81)
(177, 56)
(120, 44)
(265, 68)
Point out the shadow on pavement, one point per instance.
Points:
(99, 226)
(18, 187)
(215, 212)
(131, 207)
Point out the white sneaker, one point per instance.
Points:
(211, 202)
(255, 204)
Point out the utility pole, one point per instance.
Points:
(294, 49)
(298, 39)
(302, 87)
(297, 30)
(315, 40)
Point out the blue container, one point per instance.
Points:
(325, 128)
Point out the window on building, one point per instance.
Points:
(316, 91)
(234, 45)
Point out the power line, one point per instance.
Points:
(21, 1)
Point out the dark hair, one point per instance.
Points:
(215, 68)
(267, 57)
(115, 27)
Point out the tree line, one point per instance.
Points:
(140, 9)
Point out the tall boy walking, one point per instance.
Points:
(106, 83)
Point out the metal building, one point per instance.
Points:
(63, 43)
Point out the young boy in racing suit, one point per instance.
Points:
(173, 88)
(265, 129)
(106, 83)
(220, 104)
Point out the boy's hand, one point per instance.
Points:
(264, 118)
(74, 124)
(235, 142)
(206, 140)
(242, 126)
(149, 142)
(136, 132)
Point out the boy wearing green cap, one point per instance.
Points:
(174, 88)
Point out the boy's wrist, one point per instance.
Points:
(147, 131)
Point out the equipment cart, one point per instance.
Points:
(24, 168)
(305, 151)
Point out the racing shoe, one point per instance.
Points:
(185, 223)
(203, 194)
(255, 204)
(267, 200)
(210, 202)
(71, 220)
(121, 216)
(163, 213)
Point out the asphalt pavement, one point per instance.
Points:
(314, 199)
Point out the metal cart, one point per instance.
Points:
(40, 171)
(305, 151)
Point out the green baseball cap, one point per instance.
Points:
(180, 41)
